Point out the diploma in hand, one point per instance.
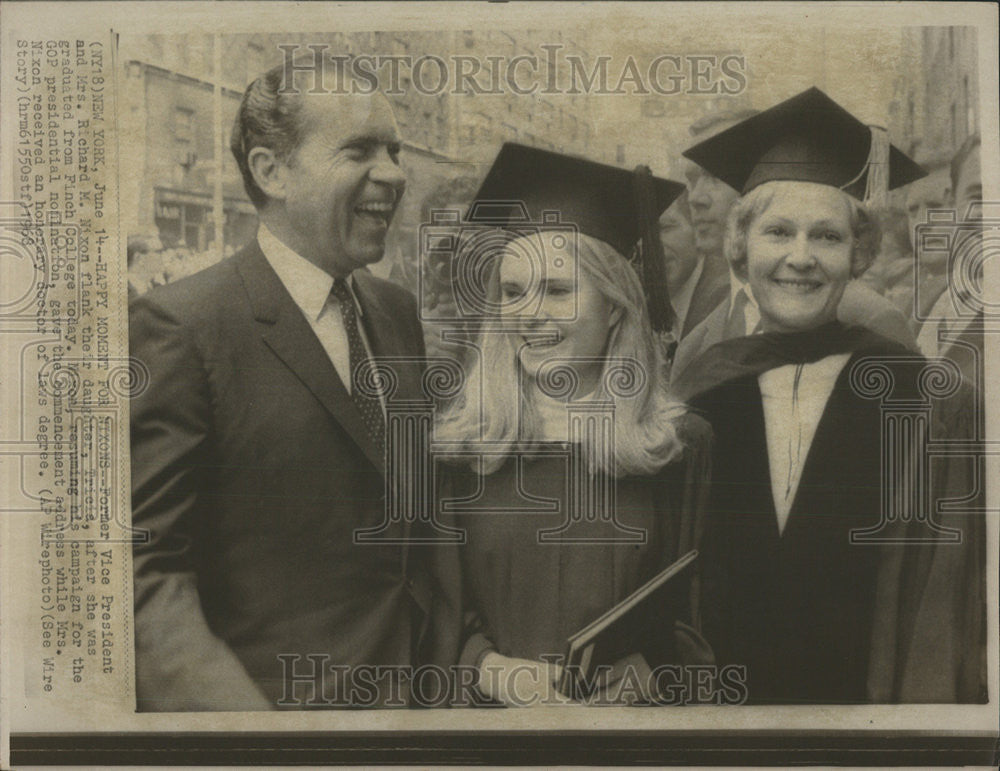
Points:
(641, 623)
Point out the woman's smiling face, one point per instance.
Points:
(571, 318)
(799, 253)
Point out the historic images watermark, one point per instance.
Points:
(315, 681)
(307, 68)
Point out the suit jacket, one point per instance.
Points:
(251, 470)
(710, 290)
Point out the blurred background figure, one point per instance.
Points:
(891, 275)
(434, 289)
(952, 328)
(710, 198)
(933, 193)
(143, 259)
(694, 290)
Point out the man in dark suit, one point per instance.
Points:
(694, 290)
(255, 458)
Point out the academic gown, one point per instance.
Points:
(522, 597)
(814, 617)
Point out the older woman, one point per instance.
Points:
(579, 471)
(801, 583)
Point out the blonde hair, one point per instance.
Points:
(493, 410)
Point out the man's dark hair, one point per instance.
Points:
(971, 143)
(266, 118)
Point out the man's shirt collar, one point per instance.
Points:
(737, 285)
(308, 284)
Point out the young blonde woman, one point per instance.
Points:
(565, 401)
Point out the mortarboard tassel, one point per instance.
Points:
(877, 186)
(652, 268)
(877, 168)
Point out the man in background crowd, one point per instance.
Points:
(694, 289)
(932, 193)
(950, 328)
(710, 198)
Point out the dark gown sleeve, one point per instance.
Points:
(688, 488)
(696, 435)
(946, 659)
(459, 633)
(929, 642)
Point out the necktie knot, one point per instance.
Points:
(341, 291)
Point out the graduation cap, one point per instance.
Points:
(600, 200)
(808, 138)
(613, 205)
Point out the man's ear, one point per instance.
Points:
(268, 172)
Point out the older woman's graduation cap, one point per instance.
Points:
(613, 205)
(808, 138)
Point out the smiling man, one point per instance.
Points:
(255, 457)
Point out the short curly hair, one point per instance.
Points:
(865, 230)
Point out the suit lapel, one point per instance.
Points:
(288, 334)
(707, 296)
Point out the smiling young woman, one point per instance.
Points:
(570, 332)
(790, 588)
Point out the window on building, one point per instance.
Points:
(183, 124)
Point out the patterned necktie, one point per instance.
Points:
(369, 407)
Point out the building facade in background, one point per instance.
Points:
(182, 95)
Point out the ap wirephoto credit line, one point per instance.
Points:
(468, 372)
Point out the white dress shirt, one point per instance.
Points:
(794, 398)
(309, 286)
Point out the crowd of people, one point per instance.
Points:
(721, 326)
(151, 264)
